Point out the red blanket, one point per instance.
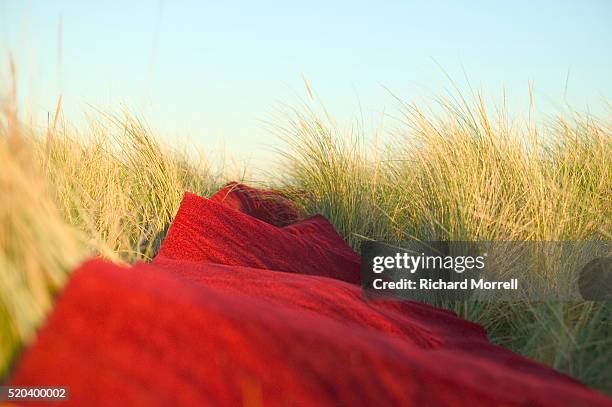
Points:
(240, 310)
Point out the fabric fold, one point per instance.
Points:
(241, 310)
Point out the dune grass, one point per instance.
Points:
(460, 174)
(465, 173)
(112, 191)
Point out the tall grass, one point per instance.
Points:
(460, 174)
(464, 173)
(65, 196)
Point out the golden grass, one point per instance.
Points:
(461, 174)
(37, 247)
(66, 196)
(466, 174)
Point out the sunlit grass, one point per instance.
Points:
(112, 191)
(466, 174)
(460, 174)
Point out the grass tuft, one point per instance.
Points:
(460, 174)
(66, 196)
(466, 174)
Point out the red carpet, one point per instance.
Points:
(238, 309)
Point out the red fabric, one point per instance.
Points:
(209, 232)
(267, 205)
(185, 331)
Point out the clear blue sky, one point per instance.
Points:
(211, 70)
